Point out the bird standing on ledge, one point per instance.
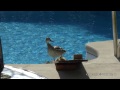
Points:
(54, 51)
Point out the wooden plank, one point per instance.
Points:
(72, 61)
(68, 65)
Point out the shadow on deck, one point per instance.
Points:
(75, 74)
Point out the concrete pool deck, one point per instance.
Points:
(105, 66)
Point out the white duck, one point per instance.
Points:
(54, 51)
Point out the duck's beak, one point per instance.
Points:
(51, 40)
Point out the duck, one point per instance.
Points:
(54, 51)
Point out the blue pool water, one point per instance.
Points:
(23, 33)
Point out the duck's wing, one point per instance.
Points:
(59, 48)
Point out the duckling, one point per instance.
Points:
(54, 51)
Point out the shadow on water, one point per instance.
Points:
(76, 74)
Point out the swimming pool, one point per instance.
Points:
(23, 33)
